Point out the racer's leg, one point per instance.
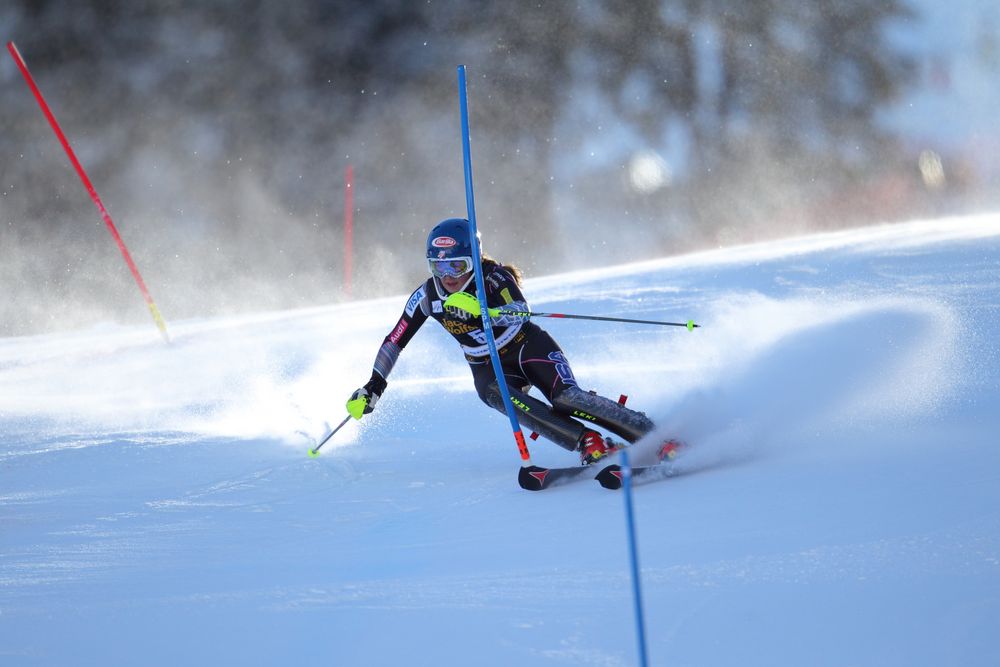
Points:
(544, 364)
(531, 413)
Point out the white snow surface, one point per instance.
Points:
(839, 503)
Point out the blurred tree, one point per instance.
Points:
(218, 133)
(776, 99)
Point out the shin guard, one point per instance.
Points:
(629, 424)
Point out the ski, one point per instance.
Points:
(536, 478)
(610, 477)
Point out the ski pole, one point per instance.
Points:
(313, 453)
(523, 313)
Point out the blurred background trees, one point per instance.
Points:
(603, 131)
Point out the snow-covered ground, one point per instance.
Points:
(842, 507)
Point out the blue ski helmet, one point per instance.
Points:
(450, 238)
(449, 248)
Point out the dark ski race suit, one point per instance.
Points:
(528, 355)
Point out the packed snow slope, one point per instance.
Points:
(840, 502)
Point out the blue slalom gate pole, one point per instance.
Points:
(470, 202)
(640, 624)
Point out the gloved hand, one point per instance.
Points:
(463, 306)
(363, 400)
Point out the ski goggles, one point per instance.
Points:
(450, 268)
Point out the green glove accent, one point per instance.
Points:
(463, 301)
(356, 406)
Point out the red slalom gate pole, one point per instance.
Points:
(16, 55)
(348, 229)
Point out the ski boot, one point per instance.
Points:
(668, 450)
(592, 447)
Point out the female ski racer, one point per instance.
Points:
(528, 355)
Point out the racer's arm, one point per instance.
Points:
(363, 400)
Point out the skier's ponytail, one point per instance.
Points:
(509, 268)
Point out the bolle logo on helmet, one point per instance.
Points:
(444, 242)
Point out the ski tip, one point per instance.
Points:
(532, 478)
(610, 477)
